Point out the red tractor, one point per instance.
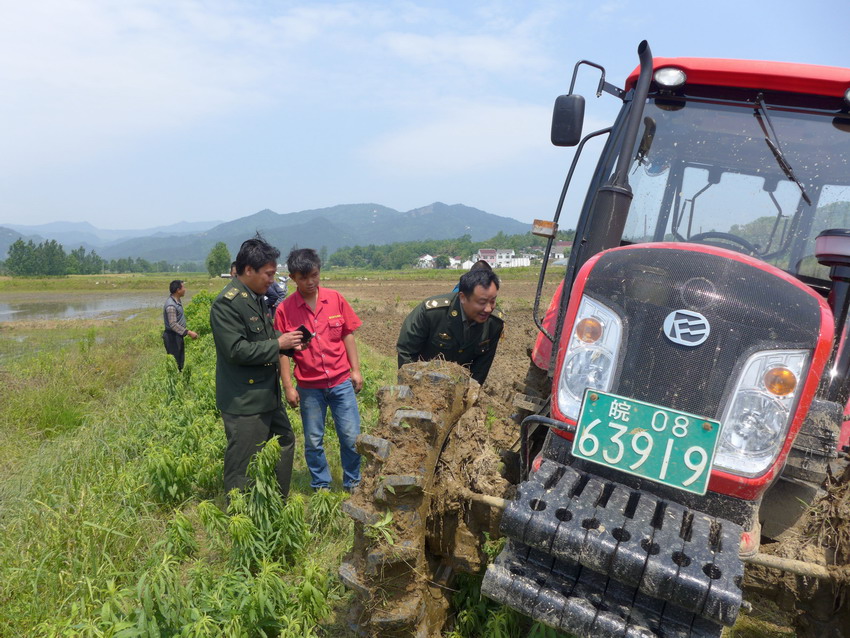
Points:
(695, 397)
(700, 379)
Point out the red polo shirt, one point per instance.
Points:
(324, 363)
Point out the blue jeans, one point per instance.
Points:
(314, 406)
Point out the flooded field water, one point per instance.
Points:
(31, 322)
(59, 306)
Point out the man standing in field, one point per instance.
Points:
(327, 368)
(247, 386)
(175, 323)
(464, 327)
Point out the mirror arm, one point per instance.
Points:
(603, 85)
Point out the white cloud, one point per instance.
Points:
(85, 75)
(608, 11)
(465, 137)
(491, 53)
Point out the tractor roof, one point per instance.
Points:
(775, 76)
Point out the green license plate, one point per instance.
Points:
(659, 444)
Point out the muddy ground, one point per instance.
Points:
(782, 605)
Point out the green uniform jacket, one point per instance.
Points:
(247, 367)
(435, 327)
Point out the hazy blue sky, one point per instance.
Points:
(136, 113)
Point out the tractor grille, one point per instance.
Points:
(748, 309)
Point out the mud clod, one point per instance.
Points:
(373, 446)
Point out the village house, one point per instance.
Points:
(486, 254)
(425, 261)
(561, 248)
(501, 258)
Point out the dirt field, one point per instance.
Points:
(383, 305)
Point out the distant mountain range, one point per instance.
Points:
(331, 228)
(75, 234)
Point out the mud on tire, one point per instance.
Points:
(397, 583)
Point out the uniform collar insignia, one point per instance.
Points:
(438, 302)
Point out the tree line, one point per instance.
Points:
(28, 259)
(405, 254)
(48, 258)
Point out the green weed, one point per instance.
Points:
(493, 547)
(381, 530)
(325, 515)
(180, 537)
(313, 593)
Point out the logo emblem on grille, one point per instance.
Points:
(687, 328)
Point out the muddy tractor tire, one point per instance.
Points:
(399, 582)
(532, 392)
(532, 397)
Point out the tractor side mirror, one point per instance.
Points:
(567, 120)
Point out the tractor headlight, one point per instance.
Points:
(670, 77)
(591, 355)
(758, 415)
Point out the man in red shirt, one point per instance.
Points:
(327, 367)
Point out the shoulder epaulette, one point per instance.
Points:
(231, 294)
(498, 314)
(438, 302)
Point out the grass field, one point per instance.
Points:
(104, 283)
(112, 516)
(196, 281)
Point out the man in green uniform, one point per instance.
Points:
(464, 327)
(247, 371)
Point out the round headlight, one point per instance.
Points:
(760, 421)
(670, 77)
(586, 369)
(847, 96)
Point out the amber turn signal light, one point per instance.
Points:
(780, 381)
(589, 330)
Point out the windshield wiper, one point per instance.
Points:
(776, 149)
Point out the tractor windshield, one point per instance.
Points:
(737, 175)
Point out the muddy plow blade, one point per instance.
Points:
(596, 558)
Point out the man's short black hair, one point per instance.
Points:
(303, 261)
(255, 252)
(174, 286)
(477, 277)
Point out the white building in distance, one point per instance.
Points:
(501, 258)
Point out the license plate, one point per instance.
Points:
(659, 444)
